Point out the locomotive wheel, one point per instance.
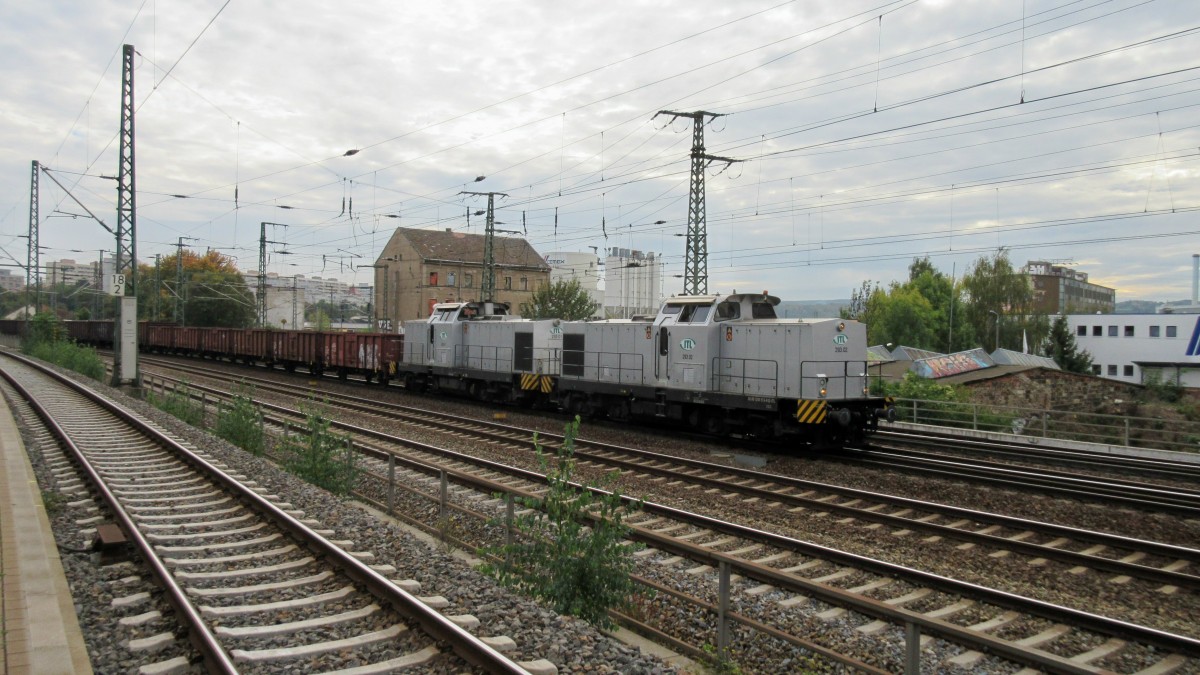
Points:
(618, 411)
(713, 422)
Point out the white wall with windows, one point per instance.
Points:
(1137, 347)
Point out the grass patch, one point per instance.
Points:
(179, 402)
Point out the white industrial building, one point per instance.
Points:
(1139, 348)
(632, 283)
(582, 267)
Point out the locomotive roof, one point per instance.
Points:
(709, 299)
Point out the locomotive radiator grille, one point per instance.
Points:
(810, 412)
(535, 382)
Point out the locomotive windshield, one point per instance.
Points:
(763, 310)
(727, 311)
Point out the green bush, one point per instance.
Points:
(320, 456)
(241, 422)
(179, 403)
(69, 355)
(47, 340)
(570, 550)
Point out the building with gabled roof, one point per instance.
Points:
(419, 268)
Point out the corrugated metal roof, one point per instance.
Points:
(878, 354)
(903, 353)
(1008, 357)
(460, 246)
(945, 365)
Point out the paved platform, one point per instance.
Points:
(38, 627)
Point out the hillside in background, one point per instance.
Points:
(1146, 306)
(809, 309)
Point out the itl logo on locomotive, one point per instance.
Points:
(840, 339)
(687, 344)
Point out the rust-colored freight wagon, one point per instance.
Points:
(372, 355)
(298, 348)
(159, 337)
(216, 342)
(252, 344)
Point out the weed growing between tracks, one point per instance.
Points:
(179, 402)
(320, 456)
(241, 422)
(570, 549)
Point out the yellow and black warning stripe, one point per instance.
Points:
(535, 382)
(810, 412)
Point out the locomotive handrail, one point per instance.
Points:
(716, 383)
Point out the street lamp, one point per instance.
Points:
(997, 315)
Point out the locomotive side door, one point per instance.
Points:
(662, 349)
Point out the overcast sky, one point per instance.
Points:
(868, 131)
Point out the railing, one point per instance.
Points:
(733, 376)
(617, 367)
(1141, 432)
(486, 358)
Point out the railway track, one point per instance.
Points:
(1034, 452)
(1174, 499)
(789, 576)
(1145, 560)
(254, 585)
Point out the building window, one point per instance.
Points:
(508, 283)
(1095, 369)
(468, 280)
(450, 279)
(1170, 331)
(1112, 331)
(524, 283)
(1128, 331)
(1128, 371)
(433, 278)
(1154, 331)
(1112, 371)
(1097, 331)
(1081, 331)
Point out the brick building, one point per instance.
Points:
(418, 268)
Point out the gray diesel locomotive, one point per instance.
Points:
(720, 364)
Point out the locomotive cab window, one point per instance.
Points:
(699, 314)
(727, 311)
(763, 310)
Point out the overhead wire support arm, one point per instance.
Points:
(96, 218)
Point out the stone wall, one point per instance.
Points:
(1057, 390)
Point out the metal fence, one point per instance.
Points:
(1140, 432)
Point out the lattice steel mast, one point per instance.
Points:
(33, 259)
(125, 261)
(487, 285)
(695, 262)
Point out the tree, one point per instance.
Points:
(1060, 346)
(916, 313)
(565, 300)
(1000, 299)
(214, 292)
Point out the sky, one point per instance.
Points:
(865, 133)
